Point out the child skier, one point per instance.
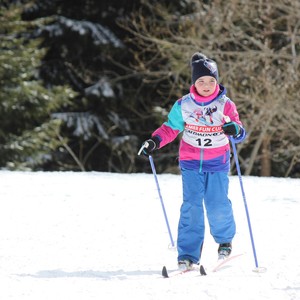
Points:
(207, 117)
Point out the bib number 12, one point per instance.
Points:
(204, 142)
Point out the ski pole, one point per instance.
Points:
(258, 269)
(160, 197)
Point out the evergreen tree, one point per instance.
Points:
(85, 50)
(29, 136)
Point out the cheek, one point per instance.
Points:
(199, 86)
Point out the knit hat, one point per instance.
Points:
(203, 66)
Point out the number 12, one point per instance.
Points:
(207, 142)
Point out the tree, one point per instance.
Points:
(28, 134)
(82, 51)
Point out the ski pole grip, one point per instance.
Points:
(227, 119)
(145, 145)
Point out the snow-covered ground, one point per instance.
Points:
(84, 236)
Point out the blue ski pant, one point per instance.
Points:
(210, 189)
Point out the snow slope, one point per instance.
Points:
(103, 236)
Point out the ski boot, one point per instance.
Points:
(185, 264)
(224, 250)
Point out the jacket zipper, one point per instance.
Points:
(201, 159)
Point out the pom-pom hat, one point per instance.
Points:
(203, 66)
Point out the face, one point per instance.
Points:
(205, 85)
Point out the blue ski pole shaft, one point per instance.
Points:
(160, 197)
(244, 198)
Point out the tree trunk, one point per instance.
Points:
(265, 158)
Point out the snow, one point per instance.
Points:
(68, 235)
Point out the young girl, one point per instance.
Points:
(207, 117)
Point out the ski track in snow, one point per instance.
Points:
(68, 235)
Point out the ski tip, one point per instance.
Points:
(202, 271)
(164, 272)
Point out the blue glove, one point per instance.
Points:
(150, 145)
(231, 128)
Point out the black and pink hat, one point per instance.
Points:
(203, 66)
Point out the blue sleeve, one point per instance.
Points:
(175, 119)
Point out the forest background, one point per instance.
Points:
(84, 83)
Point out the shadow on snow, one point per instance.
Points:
(105, 275)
